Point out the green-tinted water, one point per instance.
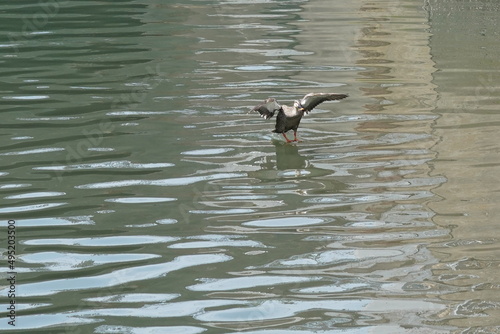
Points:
(146, 199)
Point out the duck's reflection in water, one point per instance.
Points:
(288, 157)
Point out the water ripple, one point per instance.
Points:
(286, 222)
(56, 221)
(135, 298)
(118, 277)
(58, 261)
(33, 207)
(139, 200)
(213, 240)
(276, 309)
(105, 329)
(248, 282)
(106, 165)
(35, 151)
(164, 310)
(103, 241)
(182, 181)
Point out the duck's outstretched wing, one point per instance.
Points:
(267, 109)
(311, 100)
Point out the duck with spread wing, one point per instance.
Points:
(288, 118)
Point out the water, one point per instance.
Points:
(146, 198)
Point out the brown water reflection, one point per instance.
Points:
(467, 84)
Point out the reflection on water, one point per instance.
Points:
(468, 156)
(288, 157)
(148, 200)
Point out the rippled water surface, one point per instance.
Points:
(147, 199)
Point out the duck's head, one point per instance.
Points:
(298, 106)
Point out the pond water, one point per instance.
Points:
(145, 198)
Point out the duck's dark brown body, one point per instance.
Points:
(288, 118)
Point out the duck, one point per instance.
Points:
(288, 118)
